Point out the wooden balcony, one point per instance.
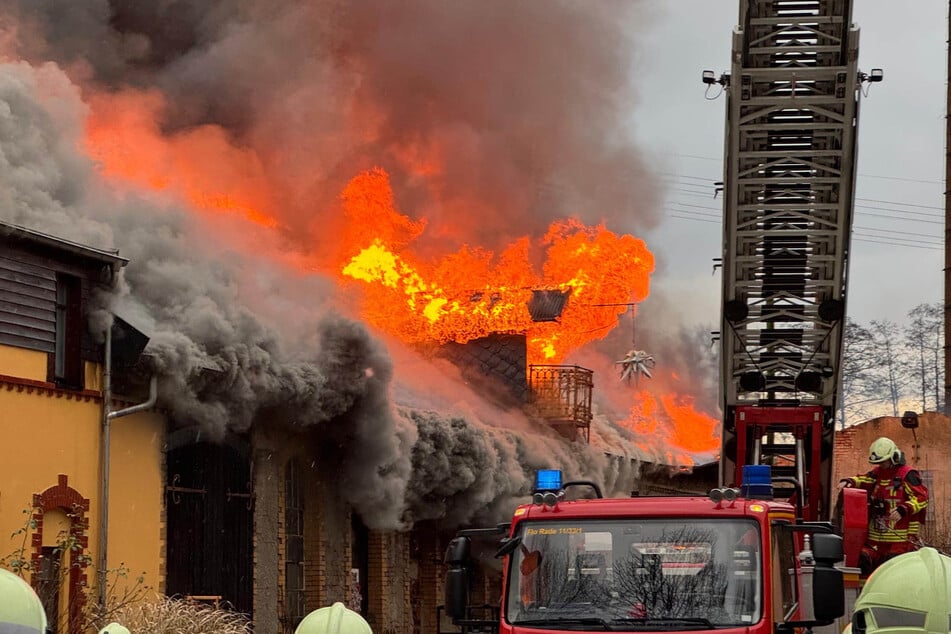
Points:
(561, 394)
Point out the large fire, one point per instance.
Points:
(457, 296)
(199, 165)
(472, 293)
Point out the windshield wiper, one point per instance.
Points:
(555, 622)
(668, 622)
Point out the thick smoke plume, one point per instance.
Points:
(492, 118)
(220, 366)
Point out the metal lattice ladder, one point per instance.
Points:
(789, 174)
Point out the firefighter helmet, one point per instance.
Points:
(884, 449)
(334, 619)
(20, 608)
(114, 628)
(910, 592)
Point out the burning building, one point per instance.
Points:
(323, 205)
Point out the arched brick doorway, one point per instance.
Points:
(68, 500)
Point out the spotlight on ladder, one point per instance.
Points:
(710, 78)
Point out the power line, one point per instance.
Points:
(710, 181)
(699, 216)
(901, 178)
(907, 233)
(927, 218)
(914, 244)
(895, 202)
(699, 186)
(864, 214)
(874, 215)
(895, 178)
(906, 212)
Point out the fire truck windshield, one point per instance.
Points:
(644, 574)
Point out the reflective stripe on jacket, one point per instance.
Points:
(894, 487)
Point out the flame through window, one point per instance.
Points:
(626, 573)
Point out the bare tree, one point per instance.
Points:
(859, 359)
(889, 376)
(924, 337)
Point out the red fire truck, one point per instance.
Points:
(734, 561)
(764, 557)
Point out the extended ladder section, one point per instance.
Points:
(792, 106)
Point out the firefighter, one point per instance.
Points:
(908, 593)
(898, 500)
(334, 619)
(21, 611)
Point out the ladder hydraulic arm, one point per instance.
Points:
(789, 175)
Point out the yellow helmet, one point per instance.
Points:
(334, 619)
(882, 450)
(20, 609)
(908, 593)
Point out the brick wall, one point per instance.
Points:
(377, 582)
(268, 478)
(283, 627)
(405, 575)
(389, 582)
(430, 571)
(930, 453)
(326, 546)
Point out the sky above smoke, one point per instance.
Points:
(492, 119)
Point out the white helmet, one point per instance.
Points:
(335, 619)
(115, 628)
(21, 611)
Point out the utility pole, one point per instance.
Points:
(947, 231)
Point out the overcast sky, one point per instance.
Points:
(898, 228)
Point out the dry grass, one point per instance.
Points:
(176, 616)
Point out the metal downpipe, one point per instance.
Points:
(104, 471)
(107, 416)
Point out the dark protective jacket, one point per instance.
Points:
(893, 487)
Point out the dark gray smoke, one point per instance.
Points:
(523, 105)
(464, 472)
(220, 366)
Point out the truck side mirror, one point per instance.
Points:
(457, 577)
(457, 553)
(827, 548)
(828, 586)
(457, 592)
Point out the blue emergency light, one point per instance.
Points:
(757, 482)
(548, 480)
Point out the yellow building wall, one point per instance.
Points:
(21, 363)
(45, 432)
(136, 498)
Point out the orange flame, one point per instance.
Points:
(456, 296)
(688, 429)
(200, 165)
(471, 293)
